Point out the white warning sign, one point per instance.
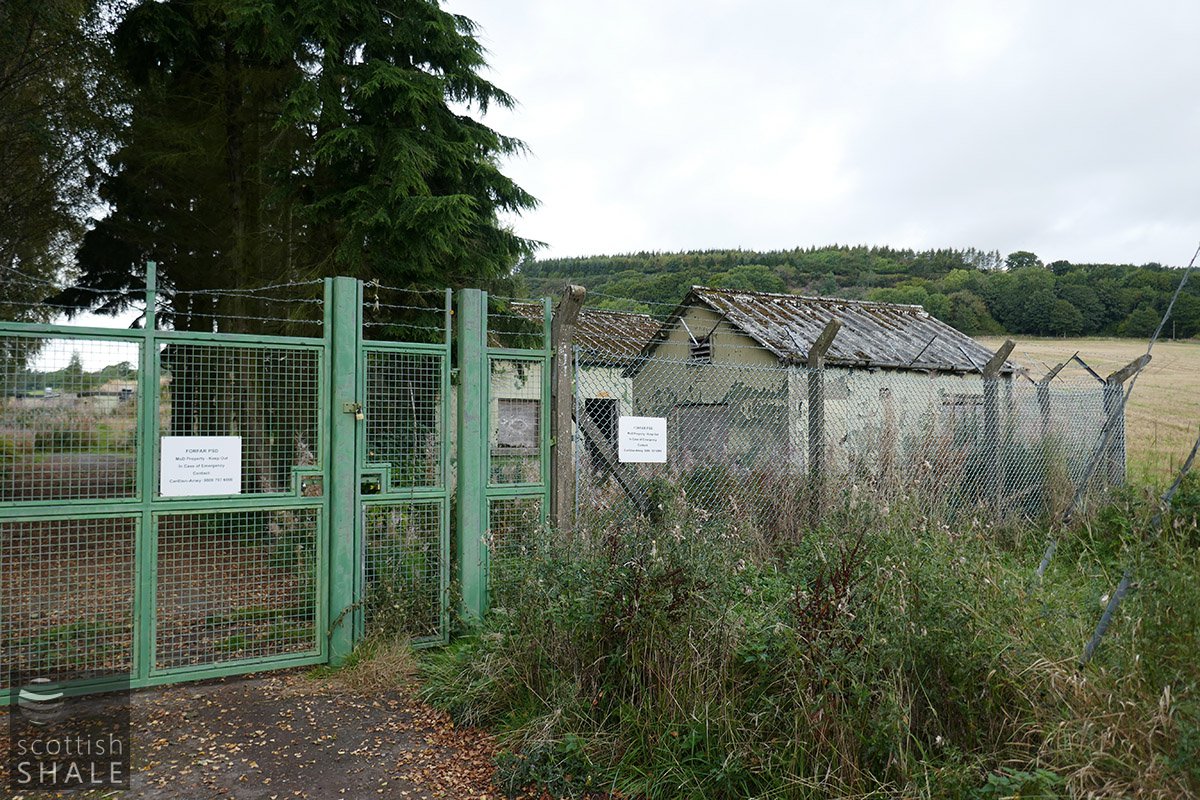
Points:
(642, 440)
(200, 465)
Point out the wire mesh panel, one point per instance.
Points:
(236, 585)
(403, 415)
(513, 527)
(403, 567)
(269, 397)
(515, 421)
(745, 436)
(68, 418)
(66, 598)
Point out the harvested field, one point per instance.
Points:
(1164, 410)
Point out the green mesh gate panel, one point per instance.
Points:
(69, 489)
(67, 597)
(514, 524)
(238, 580)
(515, 421)
(236, 585)
(517, 455)
(403, 417)
(404, 568)
(68, 418)
(269, 397)
(104, 576)
(404, 472)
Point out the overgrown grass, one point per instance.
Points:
(879, 655)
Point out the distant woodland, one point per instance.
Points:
(978, 292)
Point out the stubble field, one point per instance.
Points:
(1163, 416)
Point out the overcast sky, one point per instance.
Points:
(1065, 128)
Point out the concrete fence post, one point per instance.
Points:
(816, 418)
(1114, 416)
(993, 464)
(562, 400)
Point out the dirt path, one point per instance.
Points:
(290, 735)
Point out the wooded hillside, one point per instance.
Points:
(978, 292)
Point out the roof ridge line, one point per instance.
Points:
(817, 298)
(614, 311)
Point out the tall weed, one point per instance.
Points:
(879, 654)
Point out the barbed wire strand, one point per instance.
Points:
(376, 305)
(261, 298)
(32, 281)
(372, 285)
(247, 290)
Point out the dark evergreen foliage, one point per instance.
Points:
(275, 141)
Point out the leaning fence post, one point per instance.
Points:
(816, 416)
(1114, 414)
(562, 399)
(1043, 399)
(473, 378)
(343, 297)
(991, 422)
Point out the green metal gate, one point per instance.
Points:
(341, 512)
(503, 443)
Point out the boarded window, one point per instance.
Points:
(517, 423)
(701, 433)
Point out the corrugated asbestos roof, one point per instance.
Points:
(873, 335)
(606, 338)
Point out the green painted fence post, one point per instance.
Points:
(471, 329)
(147, 546)
(343, 297)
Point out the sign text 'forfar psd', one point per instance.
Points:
(200, 465)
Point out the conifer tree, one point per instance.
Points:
(280, 140)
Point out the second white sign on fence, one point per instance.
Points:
(642, 440)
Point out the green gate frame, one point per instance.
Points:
(476, 491)
(340, 355)
(146, 506)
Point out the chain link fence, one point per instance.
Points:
(782, 442)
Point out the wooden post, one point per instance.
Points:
(816, 416)
(562, 402)
(994, 482)
(1114, 416)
